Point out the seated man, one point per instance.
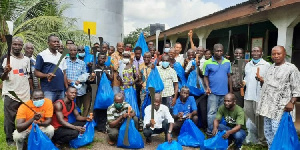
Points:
(64, 131)
(185, 108)
(236, 122)
(25, 117)
(163, 121)
(116, 115)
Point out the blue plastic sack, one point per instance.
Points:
(141, 42)
(88, 58)
(155, 81)
(86, 138)
(181, 74)
(37, 140)
(217, 142)
(105, 94)
(190, 135)
(130, 97)
(223, 121)
(169, 146)
(147, 102)
(286, 137)
(192, 84)
(134, 137)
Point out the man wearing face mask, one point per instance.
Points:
(253, 90)
(169, 77)
(116, 115)
(25, 117)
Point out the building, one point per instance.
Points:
(108, 15)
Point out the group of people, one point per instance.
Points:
(50, 91)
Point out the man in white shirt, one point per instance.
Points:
(163, 121)
(178, 57)
(253, 89)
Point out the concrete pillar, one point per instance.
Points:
(202, 35)
(285, 23)
(173, 40)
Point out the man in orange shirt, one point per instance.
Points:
(116, 57)
(25, 117)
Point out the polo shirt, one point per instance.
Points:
(217, 75)
(187, 107)
(45, 63)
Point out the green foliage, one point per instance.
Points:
(133, 36)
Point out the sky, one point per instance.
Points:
(142, 13)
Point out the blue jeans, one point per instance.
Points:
(237, 137)
(116, 89)
(213, 103)
(54, 95)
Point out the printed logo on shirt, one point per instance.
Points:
(19, 71)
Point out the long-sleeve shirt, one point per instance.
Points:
(253, 87)
(281, 83)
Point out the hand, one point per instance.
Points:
(152, 66)
(189, 115)
(180, 114)
(90, 64)
(80, 129)
(77, 82)
(92, 77)
(69, 81)
(173, 101)
(192, 68)
(152, 123)
(50, 76)
(259, 78)
(186, 62)
(289, 107)
(243, 84)
(89, 119)
(169, 138)
(226, 135)
(125, 115)
(214, 131)
(7, 69)
(190, 34)
(208, 91)
(37, 116)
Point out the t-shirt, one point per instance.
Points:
(46, 110)
(234, 117)
(187, 107)
(18, 77)
(217, 75)
(45, 63)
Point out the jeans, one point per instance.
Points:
(54, 95)
(238, 137)
(213, 103)
(168, 101)
(116, 89)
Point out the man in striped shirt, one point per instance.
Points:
(116, 115)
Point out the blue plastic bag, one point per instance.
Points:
(105, 94)
(190, 135)
(155, 81)
(130, 97)
(192, 84)
(88, 58)
(86, 138)
(141, 42)
(147, 102)
(217, 142)
(223, 121)
(37, 140)
(181, 74)
(134, 137)
(169, 146)
(286, 137)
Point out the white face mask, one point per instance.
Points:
(126, 60)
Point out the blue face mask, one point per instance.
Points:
(39, 103)
(81, 54)
(165, 64)
(256, 60)
(166, 50)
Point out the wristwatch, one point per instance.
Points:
(170, 132)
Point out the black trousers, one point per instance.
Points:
(239, 98)
(148, 131)
(100, 116)
(10, 111)
(202, 110)
(65, 135)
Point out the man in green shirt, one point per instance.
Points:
(236, 121)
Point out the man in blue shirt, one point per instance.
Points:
(185, 108)
(77, 76)
(51, 84)
(217, 79)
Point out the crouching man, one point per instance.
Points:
(185, 108)
(116, 115)
(163, 121)
(25, 117)
(236, 122)
(64, 131)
